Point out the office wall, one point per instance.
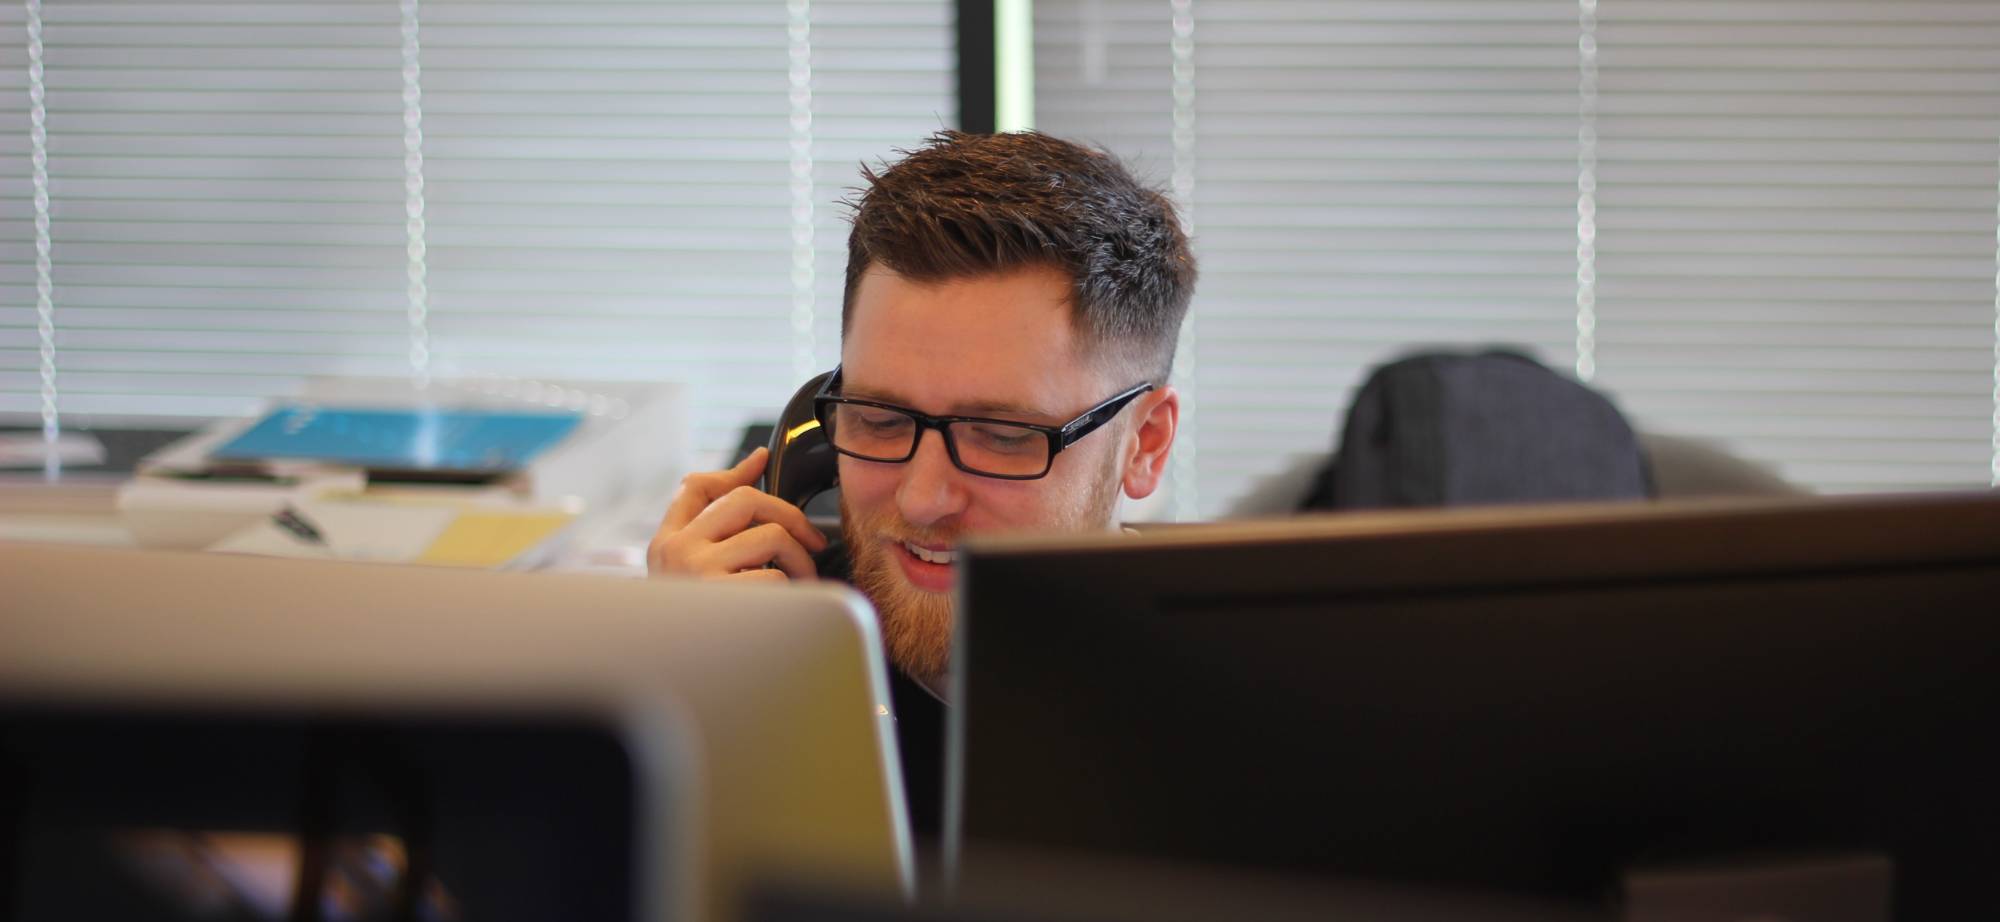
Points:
(1768, 223)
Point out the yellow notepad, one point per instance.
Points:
(492, 539)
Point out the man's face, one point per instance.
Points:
(1001, 346)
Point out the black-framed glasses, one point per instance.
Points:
(1001, 448)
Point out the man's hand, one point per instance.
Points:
(720, 526)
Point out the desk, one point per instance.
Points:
(82, 509)
(76, 510)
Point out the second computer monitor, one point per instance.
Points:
(1543, 702)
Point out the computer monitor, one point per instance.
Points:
(545, 746)
(1539, 701)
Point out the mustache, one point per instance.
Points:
(891, 527)
(928, 537)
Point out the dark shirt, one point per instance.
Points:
(920, 722)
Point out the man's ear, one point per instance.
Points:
(1152, 436)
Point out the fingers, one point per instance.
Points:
(699, 490)
(743, 507)
(720, 526)
(768, 543)
(749, 550)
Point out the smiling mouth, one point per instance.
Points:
(927, 555)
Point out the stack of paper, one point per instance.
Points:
(395, 529)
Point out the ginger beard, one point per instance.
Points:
(916, 623)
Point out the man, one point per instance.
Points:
(1009, 322)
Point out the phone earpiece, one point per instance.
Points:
(803, 463)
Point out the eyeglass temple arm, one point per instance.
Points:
(1099, 416)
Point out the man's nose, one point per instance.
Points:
(932, 489)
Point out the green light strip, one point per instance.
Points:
(1013, 65)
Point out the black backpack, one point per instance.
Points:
(1497, 427)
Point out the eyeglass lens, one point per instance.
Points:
(983, 447)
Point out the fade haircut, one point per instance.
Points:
(966, 205)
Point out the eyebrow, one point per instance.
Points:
(979, 408)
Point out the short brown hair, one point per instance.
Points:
(965, 205)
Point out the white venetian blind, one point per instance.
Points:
(1797, 231)
(20, 357)
(224, 214)
(1104, 74)
(884, 79)
(606, 192)
(1368, 177)
(1793, 200)
(225, 200)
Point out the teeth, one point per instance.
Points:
(928, 556)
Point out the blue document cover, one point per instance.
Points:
(420, 439)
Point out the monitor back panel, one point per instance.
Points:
(1534, 702)
(770, 703)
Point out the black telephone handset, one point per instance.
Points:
(803, 463)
